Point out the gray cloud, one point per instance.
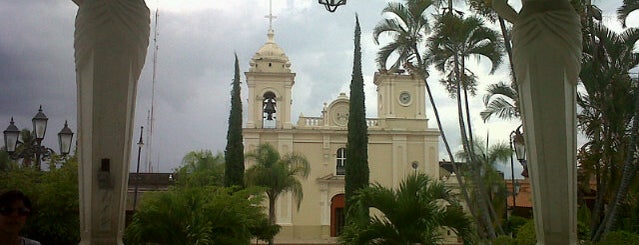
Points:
(195, 66)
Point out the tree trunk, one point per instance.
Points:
(458, 176)
(508, 47)
(479, 186)
(271, 213)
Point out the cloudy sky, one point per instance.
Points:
(197, 39)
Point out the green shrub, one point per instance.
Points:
(504, 240)
(620, 237)
(513, 223)
(526, 234)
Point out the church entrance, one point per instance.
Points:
(337, 215)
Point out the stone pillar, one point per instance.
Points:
(546, 57)
(111, 40)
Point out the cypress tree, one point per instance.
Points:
(357, 172)
(234, 153)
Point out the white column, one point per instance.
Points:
(547, 60)
(111, 39)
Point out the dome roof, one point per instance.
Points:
(270, 57)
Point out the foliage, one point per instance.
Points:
(357, 171)
(455, 39)
(54, 194)
(203, 215)
(456, 36)
(234, 167)
(626, 8)
(408, 27)
(24, 147)
(501, 100)
(513, 224)
(276, 175)
(264, 230)
(5, 161)
(201, 168)
(503, 240)
(418, 211)
(608, 108)
(526, 234)
(620, 237)
(629, 214)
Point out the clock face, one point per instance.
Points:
(404, 98)
(340, 115)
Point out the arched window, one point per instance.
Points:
(269, 110)
(340, 161)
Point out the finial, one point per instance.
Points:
(270, 16)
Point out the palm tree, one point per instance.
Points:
(204, 215)
(201, 168)
(409, 28)
(24, 148)
(625, 9)
(455, 40)
(417, 212)
(277, 174)
(608, 112)
(502, 100)
(486, 160)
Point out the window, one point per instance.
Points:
(340, 161)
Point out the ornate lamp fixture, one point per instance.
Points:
(40, 124)
(520, 149)
(331, 5)
(64, 138)
(12, 135)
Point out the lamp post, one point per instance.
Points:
(520, 150)
(137, 171)
(517, 144)
(12, 135)
(331, 5)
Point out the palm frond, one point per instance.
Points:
(625, 9)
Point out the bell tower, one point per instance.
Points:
(269, 82)
(401, 100)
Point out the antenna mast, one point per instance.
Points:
(151, 118)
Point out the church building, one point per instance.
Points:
(400, 141)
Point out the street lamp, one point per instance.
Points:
(64, 139)
(331, 5)
(11, 140)
(520, 149)
(137, 172)
(517, 142)
(11, 137)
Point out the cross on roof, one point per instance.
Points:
(270, 15)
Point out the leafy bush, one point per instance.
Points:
(526, 234)
(202, 215)
(512, 224)
(504, 240)
(620, 237)
(54, 194)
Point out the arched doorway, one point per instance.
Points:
(337, 215)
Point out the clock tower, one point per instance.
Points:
(401, 99)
